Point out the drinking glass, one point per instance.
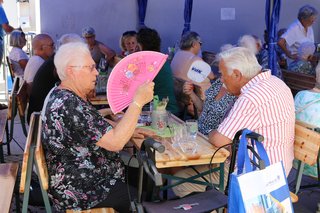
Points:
(159, 120)
(192, 128)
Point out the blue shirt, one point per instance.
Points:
(3, 20)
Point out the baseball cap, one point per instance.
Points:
(88, 32)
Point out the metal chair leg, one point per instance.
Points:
(299, 176)
(23, 124)
(8, 139)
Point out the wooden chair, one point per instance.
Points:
(28, 162)
(22, 102)
(298, 81)
(10, 68)
(42, 172)
(306, 149)
(12, 110)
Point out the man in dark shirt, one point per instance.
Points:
(46, 78)
(43, 82)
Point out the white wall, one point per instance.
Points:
(111, 18)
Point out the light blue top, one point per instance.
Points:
(310, 115)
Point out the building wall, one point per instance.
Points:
(111, 18)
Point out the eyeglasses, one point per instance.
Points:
(49, 45)
(200, 43)
(91, 67)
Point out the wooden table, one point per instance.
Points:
(3, 122)
(173, 156)
(99, 100)
(8, 174)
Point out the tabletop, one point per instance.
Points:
(175, 157)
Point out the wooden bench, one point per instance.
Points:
(298, 81)
(8, 175)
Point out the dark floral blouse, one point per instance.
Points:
(214, 111)
(81, 174)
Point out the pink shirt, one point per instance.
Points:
(265, 106)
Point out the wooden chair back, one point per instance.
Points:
(22, 98)
(10, 68)
(306, 143)
(44, 177)
(298, 81)
(12, 95)
(41, 161)
(26, 154)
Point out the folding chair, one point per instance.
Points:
(17, 102)
(306, 150)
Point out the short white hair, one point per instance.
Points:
(242, 59)
(70, 37)
(248, 41)
(70, 54)
(226, 47)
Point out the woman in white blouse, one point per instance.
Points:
(18, 57)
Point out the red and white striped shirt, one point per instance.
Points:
(265, 106)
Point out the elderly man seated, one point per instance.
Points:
(43, 48)
(260, 107)
(97, 49)
(190, 46)
(46, 78)
(82, 147)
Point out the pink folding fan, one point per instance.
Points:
(129, 74)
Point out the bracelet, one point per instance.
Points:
(138, 105)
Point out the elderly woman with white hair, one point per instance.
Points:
(307, 104)
(85, 168)
(254, 44)
(302, 64)
(18, 57)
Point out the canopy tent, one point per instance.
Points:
(142, 7)
(187, 15)
(272, 16)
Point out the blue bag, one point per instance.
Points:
(252, 190)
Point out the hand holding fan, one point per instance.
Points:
(131, 72)
(199, 71)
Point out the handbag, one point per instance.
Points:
(257, 190)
